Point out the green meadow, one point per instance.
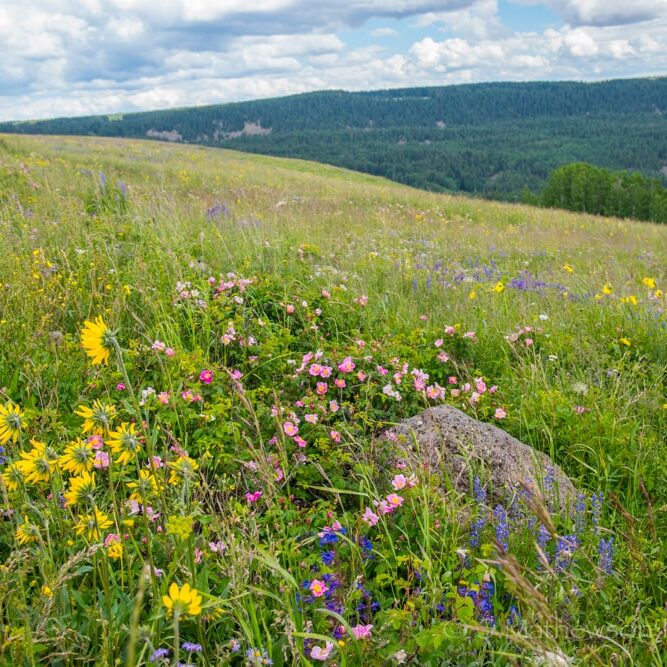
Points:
(201, 355)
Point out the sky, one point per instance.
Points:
(80, 57)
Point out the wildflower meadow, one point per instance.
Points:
(202, 357)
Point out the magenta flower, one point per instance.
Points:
(322, 388)
(347, 365)
(500, 413)
(101, 460)
(318, 588)
(253, 497)
(334, 435)
(370, 517)
(163, 397)
(206, 376)
(290, 429)
(322, 654)
(399, 482)
(300, 441)
(394, 500)
(96, 442)
(362, 631)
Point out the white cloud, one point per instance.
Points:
(70, 57)
(609, 12)
(580, 43)
(383, 32)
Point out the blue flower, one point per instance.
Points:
(596, 508)
(366, 547)
(191, 647)
(606, 555)
(502, 529)
(479, 491)
(159, 654)
(328, 557)
(475, 531)
(565, 548)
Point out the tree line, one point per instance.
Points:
(589, 189)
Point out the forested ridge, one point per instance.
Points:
(494, 139)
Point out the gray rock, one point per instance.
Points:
(448, 441)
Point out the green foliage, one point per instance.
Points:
(589, 189)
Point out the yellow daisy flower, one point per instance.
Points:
(183, 468)
(115, 550)
(183, 600)
(78, 457)
(11, 422)
(37, 464)
(97, 420)
(26, 533)
(12, 477)
(649, 282)
(124, 443)
(92, 525)
(144, 488)
(80, 488)
(96, 340)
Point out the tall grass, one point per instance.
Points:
(255, 270)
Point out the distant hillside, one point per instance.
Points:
(490, 139)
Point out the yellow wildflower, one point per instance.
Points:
(649, 282)
(12, 477)
(144, 488)
(78, 457)
(183, 468)
(183, 600)
(11, 422)
(124, 443)
(92, 525)
(180, 526)
(27, 532)
(568, 268)
(80, 488)
(96, 341)
(37, 464)
(97, 419)
(607, 289)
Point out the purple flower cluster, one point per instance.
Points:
(606, 556)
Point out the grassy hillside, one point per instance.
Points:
(494, 139)
(198, 349)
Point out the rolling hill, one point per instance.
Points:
(493, 139)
